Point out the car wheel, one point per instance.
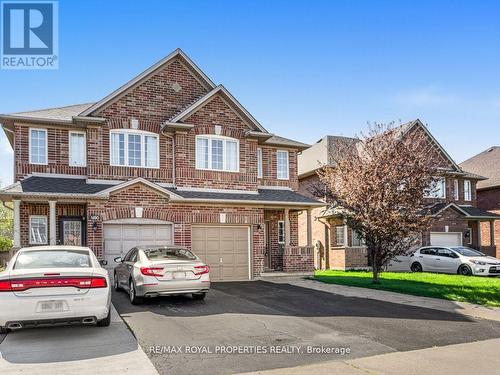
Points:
(416, 267)
(134, 300)
(115, 283)
(199, 296)
(464, 270)
(106, 321)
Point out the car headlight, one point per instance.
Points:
(478, 262)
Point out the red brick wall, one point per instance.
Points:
(451, 218)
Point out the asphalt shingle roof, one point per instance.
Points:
(37, 184)
(58, 113)
(485, 164)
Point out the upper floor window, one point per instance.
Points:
(259, 163)
(455, 190)
(77, 149)
(437, 189)
(282, 165)
(38, 146)
(134, 149)
(467, 191)
(217, 153)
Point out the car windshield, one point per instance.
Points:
(169, 253)
(53, 259)
(465, 251)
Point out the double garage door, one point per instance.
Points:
(446, 239)
(225, 249)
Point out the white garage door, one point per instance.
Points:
(225, 249)
(446, 239)
(120, 238)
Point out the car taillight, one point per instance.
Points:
(200, 270)
(20, 285)
(151, 271)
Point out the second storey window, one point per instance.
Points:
(282, 165)
(77, 149)
(467, 191)
(134, 149)
(455, 190)
(437, 189)
(217, 153)
(38, 146)
(259, 163)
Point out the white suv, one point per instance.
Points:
(459, 259)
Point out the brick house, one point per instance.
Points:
(488, 191)
(168, 158)
(454, 205)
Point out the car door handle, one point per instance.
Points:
(220, 260)
(438, 259)
(420, 256)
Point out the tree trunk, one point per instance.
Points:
(375, 267)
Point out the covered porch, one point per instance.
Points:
(282, 252)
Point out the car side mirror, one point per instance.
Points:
(118, 260)
(103, 262)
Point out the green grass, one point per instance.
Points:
(478, 290)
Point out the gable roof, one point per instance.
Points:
(487, 164)
(407, 127)
(178, 53)
(65, 113)
(220, 89)
(469, 212)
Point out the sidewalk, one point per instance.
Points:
(463, 359)
(464, 308)
(74, 350)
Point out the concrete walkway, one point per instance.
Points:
(464, 308)
(74, 350)
(463, 359)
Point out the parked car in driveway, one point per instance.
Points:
(456, 259)
(53, 285)
(152, 271)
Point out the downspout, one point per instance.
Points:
(10, 208)
(327, 243)
(172, 137)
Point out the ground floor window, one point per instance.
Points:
(281, 232)
(339, 235)
(38, 230)
(356, 239)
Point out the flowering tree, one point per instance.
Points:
(377, 184)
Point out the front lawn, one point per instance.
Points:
(479, 290)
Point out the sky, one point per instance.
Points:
(304, 69)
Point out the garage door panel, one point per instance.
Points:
(211, 243)
(446, 239)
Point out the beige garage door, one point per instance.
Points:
(446, 239)
(225, 249)
(120, 238)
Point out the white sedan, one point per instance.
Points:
(53, 285)
(455, 259)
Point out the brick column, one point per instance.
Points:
(309, 227)
(287, 227)
(17, 223)
(492, 233)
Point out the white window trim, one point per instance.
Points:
(84, 149)
(211, 137)
(142, 133)
(260, 167)
(456, 192)
(46, 146)
(287, 164)
(281, 222)
(428, 195)
(468, 198)
(46, 229)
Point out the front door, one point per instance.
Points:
(71, 231)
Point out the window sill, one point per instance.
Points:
(132, 166)
(216, 170)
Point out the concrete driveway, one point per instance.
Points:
(287, 318)
(76, 350)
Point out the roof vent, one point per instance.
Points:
(491, 149)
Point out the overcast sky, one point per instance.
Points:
(302, 68)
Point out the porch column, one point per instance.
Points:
(17, 223)
(492, 233)
(52, 222)
(309, 227)
(287, 227)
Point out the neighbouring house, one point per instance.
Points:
(454, 205)
(487, 164)
(168, 158)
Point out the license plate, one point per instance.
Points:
(51, 306)
(178, 275)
